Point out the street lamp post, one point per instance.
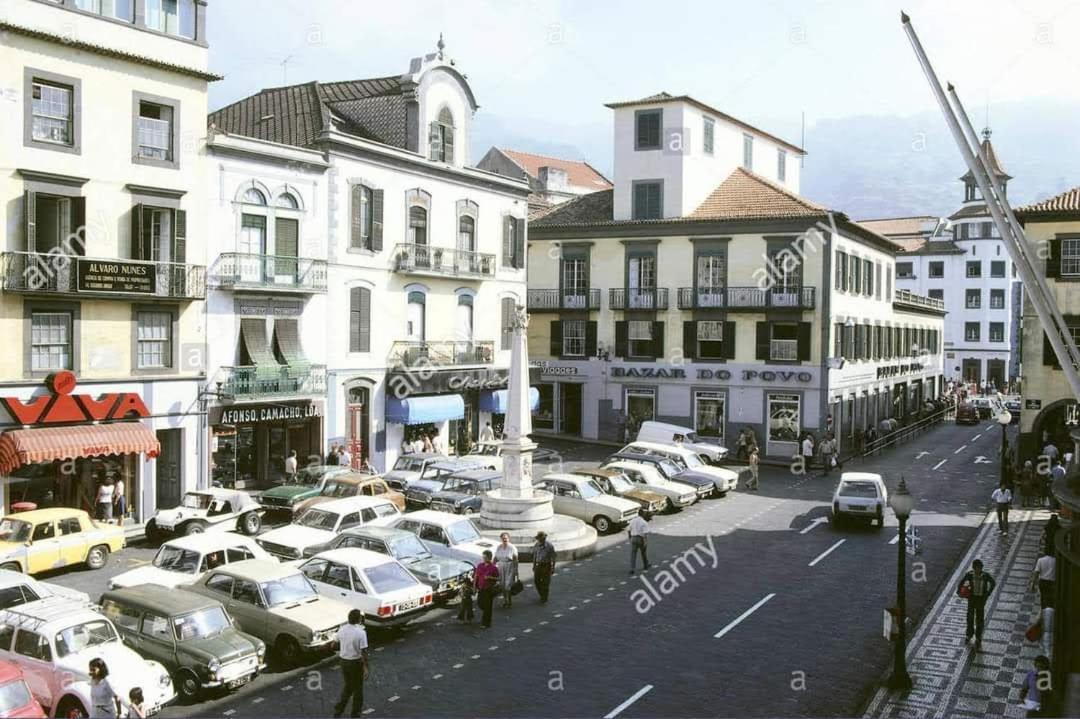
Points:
(902, 503)
(1004, 419)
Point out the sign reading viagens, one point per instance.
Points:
(111, 276)
(60, 406)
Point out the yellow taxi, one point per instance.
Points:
(44, 539)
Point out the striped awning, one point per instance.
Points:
(45, 444)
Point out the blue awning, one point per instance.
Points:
(498, 400)
(419, 410)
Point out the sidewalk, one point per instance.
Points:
(951, 679)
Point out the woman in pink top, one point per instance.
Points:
(486, 580)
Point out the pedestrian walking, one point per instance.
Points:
(104, 500)
(119, 501)
(638, 530)
(1050, 533)
(332, 456)
(487, 434)
(742, 445)
(468, 591)
(352, 646)
(486, 578)
(1044, 577)
(975, 587)
(290, 467)
(344, 457)
(1037, 678)
(1002, 498)
(105, 702)
(755, 462)
(543, 565)
(506, 559)
(1050, 451)
(807, 451)
(828, 453)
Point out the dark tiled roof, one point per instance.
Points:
(992, 158)
(595, 208)
(1066, 202)
(970, 211)
(936, 247)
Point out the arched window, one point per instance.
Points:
(254, 197)
(288, 201)
(467, 234)
(417, 225)
(441, 137)
(414, 324)
(464, 329)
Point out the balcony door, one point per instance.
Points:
(251, 246)
(463, 330)
(575, 284)
(159, 234)
(711, 274)
(414, 327)
(641, 282)
(786, 276)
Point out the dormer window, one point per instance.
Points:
(441, 137)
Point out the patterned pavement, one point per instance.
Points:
(951, 679)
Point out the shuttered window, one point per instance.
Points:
(507, 319)
(648, 200)
(360, 319)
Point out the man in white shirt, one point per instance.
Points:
(487, 434)
(807, 452)
(352, 647)
(638, 530)
(1002, 498)
(1044, 577)
(290, 467)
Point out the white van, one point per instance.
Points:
(724, 479)
(664, 433)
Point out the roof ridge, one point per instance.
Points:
(537, 154)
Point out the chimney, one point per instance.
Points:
(553, 179)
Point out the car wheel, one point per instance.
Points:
(71, 708)
(468, 510)
(671, 508)
(12, 567)
(97, 557)
(195, 526)
(602, 524)
(251, 523)
(153, 534)
(834, 521)
(287, 650)
(187, 685)
(880, 522)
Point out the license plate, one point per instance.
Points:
(238, 682)
(857, 508)
(406, 606)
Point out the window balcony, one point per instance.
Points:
(426, 260)
(638, 298)
(445, 353)
(907, 300)
(261, 382)
(240, 271)
(783, 350)
(746, 298)
(56, 275)
(556, 300)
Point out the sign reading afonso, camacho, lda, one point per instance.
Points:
(113, 276)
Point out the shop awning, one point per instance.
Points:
(45, 444)
(419, 410)
(498, 400)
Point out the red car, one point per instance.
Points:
(967, 413)
(15, 697)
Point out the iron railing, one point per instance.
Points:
(907, 297)
(638, 298)
(56, 274)
(240, 270)
(428, 260)
(747, 298)
(250, 382)
(555, 300)
(445, 353)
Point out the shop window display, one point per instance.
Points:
(74, 483)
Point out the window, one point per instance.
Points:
(963, 232)
(936, 294)
(464, 329)
(287, 201)
(221, 583)
(997, 331)
(710, 339)
(418, 225)
(639, 334)
(122, 616)
(513, 242)
(784, 420)
(50, 341)
(639, 405)
(937, 269)
(781, 165)
(466, 234)
(153, 340)
(359, 319)
(573, 338)
(253, 196)
(971, 331)
(32, 645)
(973, 299)
(155, 131)
(868, 278)
(52, 113)
(648, 200)
(997, 299)
(441, 137)
(647, 130)
(708, 132)
(997, 268)
(711, 277)
(748, 152)
(841, 270)
(904, 271)
(856, 267)
(360, 236)
(1070, 257)
(888, 285)
(119, 9)
(175, 17)
(986, 229)
(509, 308)
(709, 414)
(973, 269)
(238, 554)
(784, 342)
(157, 627)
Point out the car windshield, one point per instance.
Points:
(620, 484)
(340, 489)
(691, 460)
(293, 588)
(174, 559)
(457, 484)
(589, 490)
(462, 532)
(668, 468)
(408, 464)
(408, 547)
(83, 636)
(201, 624)
(858, 488)
(389, 577)
(14, 530)
(13, 695)
(318, 519)
(196, 501)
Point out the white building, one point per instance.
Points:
(553, 180)
(425, 253)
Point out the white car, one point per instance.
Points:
(488, 453)
(184, 559)
(446, 534)
(17, 588)
(678, 495)
(53, 641)
(314, 529)
(580, 497)
(860, 495)
(724, 479)
(378, 585)
(665, 433)
(208, 509)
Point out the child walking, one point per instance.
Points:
(465, 613)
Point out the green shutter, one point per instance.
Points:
(78, 224)
(1053, 260)
(657, 339)
(519, 242)
(689, 339)
(180, 237)
(356, 230)
(30, 220)
(434, 142)
(622, 338)
(729, 340)
(804, 341)
(590, 338)
(555, 347)
(762, 337)
(377, 220)
(448, 151)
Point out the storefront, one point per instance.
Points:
(560, 401)
(249, 443)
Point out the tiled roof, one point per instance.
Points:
(1066, 202)
(595, 208)
(901, 226)
(992, 158)
(970, 211)
(907, 245)
(935, 247)
(578, 172)
(745, 195)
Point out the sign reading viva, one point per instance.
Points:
(62, 407)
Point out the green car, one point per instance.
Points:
(192, 636)
(309, 483)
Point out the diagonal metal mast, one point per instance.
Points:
(1008, 228)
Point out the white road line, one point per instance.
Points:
(230, 712)
(526, 631)
(895, 539)
(511, 639)
(743, 616)
(976, 436)
(493, 647)
(637, 695)
(475, 656)
(393, 698)
(458, 666)
(543, 622)
(287, 689)
(437, 676)
(415, 687)
(826, 553)
(368, 710)
(962, 448)
(940, 463)
(257, 700)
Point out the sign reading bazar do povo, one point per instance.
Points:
(111, 276)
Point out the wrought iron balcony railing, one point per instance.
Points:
(253, 382)
(555, 300)
(47, 273)
(638, 298)
(445, 261)
(239, 271)
(448, 353)
(746, 298)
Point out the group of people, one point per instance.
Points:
(110, 502)
(497, 576)
(422, 443)
(338, 456)
(825, 453)
(107, 702)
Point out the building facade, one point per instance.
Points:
(718, 307)
(104, 250)
(551, 179)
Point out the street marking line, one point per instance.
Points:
(475, 656)
(826, 553)
(229, 712)
(415, 687)
(637, 695)
(458, 666)
(437, 676)
(368, 710)
(895, 539)
(511, 639)
(257, 700)
(976, 436)
(393, 698)
(493, 647)
(813, 523)
(543, 622)
(940, 463)
(743, 616)
(287, 689)
(962, 448)
(526, 631)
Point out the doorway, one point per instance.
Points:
(995, 373)
(167, 469)
(971, 371)
(570, 409)
(357, 408)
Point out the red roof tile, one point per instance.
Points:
(578, 172)
(1066, 202)
(746, 195)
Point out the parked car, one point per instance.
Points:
(664, 433)
(860, 495)
(16, 701)
(408, 468)
(310, 482)
(43, 539)
(966, 413)
(190, 634)
(276, 603)
(443, 574)
(434, 476)
(445, 534)
(184, 559)
(463, 493)
(353, 484)
(488, 452)
(208, 509)
(647, 477)
(578, 496)
(313, 530)
(17, 588)
(52, 641)
(380, 586)
(724, 479)
(614, 482)
(985, 406)
(1014, 407)
(704, 485)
